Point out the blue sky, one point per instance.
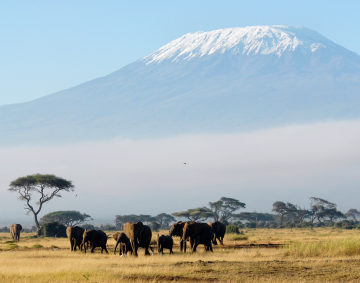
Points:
(47, 46)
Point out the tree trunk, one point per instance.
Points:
(37, 225)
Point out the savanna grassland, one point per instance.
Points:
(316, 255)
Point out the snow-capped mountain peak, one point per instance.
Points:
(251, 40)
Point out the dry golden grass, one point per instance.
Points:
(319, 255)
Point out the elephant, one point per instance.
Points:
(139, 236)
(75, 235)
(164, 242)
(176, 229)
(198, 233)
(96, 238)
(15, 231)
(123, 240)
(219, 230)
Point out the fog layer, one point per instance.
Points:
(149, 176)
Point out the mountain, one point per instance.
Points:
(225, 80)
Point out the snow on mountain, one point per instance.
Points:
(252, 40)
(226, 80)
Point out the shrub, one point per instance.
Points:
(240, 238)
(250, 225)
(12, 246)
(107, 227)
(155, 226)
(232, 229)
(4, 229)
(53, 229)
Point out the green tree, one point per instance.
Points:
(254, 217)
(195, 214)
(38, 189)
(67, 218)
(223, 209)
(280, 208)
(353, 213)
(164, 220)
(155, 226)
(325, 211)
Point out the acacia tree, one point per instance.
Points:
(164, 220)
(68, 218)
(195, 214)
(223, 209)
(254, 217)
(353, 213)
(38, 189)
(325, 210)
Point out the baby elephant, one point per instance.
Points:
(124, 242)
(164, 242)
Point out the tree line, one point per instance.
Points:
(36, 190)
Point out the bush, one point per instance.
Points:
(53, 229)
(155, 226)
(4, 229)
(107, 227)
(345, 224)
(29, 230)
(232, 229)
(12, 246)
(250, 225)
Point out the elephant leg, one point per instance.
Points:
(181, 245)
(134, 247)
(106, 249)
(195, 246)
(147, 251)
(117, 242)
(75, 243)
(92, 248)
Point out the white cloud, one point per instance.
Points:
(149, 176)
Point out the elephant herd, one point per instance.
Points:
(137, 235)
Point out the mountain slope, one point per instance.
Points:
(219, 81)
